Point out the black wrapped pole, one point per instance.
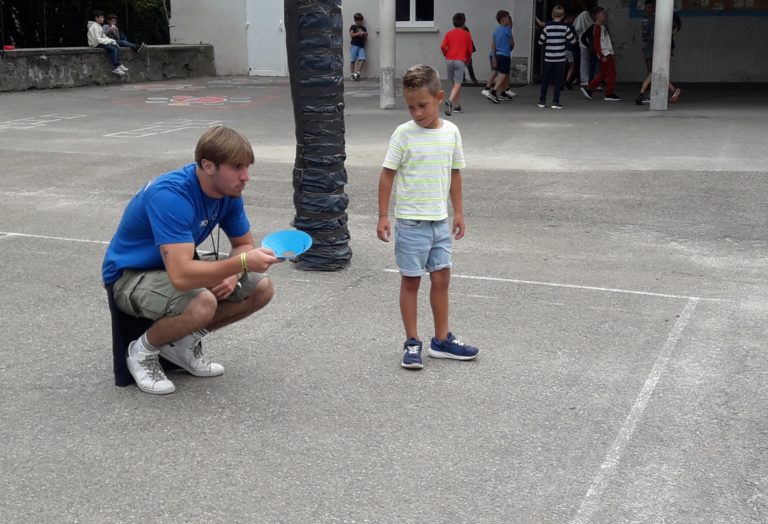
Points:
(316, 67)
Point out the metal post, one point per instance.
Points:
(662, 48)
(387, 48)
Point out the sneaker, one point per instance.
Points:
(412, 354)
(504, 97)
(557, 106)
(122, 68)
(452, 348)
(613, 97)
(146, 370)
(448, 108)
(458, 109)
(490, 95)
(541, 105)
(587, 93)
(485, 92)
(509, 93)
(187, 353)
(639, 99)
(118, 71)
(142, 48)
(675, 95)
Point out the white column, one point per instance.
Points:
(387, 54)
(662, 47)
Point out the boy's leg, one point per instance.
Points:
(113, 52)
(409, 295)
(438, 299)
(557, 73)
(584, 66)
(545, 80)
(610, 75)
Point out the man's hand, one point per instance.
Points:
(226, 287)
(260, 259)
(458, 226)
(383, 230)
(603, 59)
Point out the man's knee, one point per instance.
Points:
(263, 293)
(202, 308)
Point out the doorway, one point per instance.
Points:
(265, 38)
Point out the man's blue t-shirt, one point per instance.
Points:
(502, 36)
(171, 209)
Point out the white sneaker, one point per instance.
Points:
(118, 71)
(187, 353)
(122, 68)
(510, 93)
(147, 371)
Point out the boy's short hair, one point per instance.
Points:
(420, 76)
(358, 16)
(597, 10)
(459, 19)
(97, 13)
(111, 17)
(503, 13)
(558, 11)
(222, 145)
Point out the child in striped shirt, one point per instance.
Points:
(424, 163)
(554, 37)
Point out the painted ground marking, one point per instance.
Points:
(35, 122)
(161, 128)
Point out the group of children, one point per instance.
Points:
(107, 36)
(561, 38)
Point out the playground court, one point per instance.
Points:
(613, 274)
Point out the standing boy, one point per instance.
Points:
(96, 38)
(423, 162)
(603, 48)
(586, 56)
(502, 44)
(554, 37)
(457, 48)
(358, 35)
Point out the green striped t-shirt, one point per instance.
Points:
(423, 159)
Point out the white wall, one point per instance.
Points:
(423, 47)
(219, 23)
(707, 49)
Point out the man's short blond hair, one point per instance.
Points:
(558, 11)
(420, 76)
(222, 145)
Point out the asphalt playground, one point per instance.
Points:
(613, 274)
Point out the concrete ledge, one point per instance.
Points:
(46, 68)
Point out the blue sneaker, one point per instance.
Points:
(453, 348)
(412, 354)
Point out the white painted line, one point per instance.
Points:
(45, 237)
(573, 286)
(591, 500)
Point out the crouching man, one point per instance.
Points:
(152, 268)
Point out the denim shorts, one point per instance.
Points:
(455, 70)
(356, 53)
(422, 246)
(503, 64)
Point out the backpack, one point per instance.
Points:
(588, 37)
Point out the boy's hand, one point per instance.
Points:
(603, 59)
(458, 227)
(383, 230)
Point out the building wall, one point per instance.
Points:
(423, 46)
(221, 24)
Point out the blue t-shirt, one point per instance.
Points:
(502, 36)
(170, 209)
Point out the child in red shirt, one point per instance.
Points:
(457, 48)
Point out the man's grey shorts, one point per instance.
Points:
(150, 294)
(455, 70)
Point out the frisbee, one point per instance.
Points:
(287, 244)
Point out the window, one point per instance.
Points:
(415, 13)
